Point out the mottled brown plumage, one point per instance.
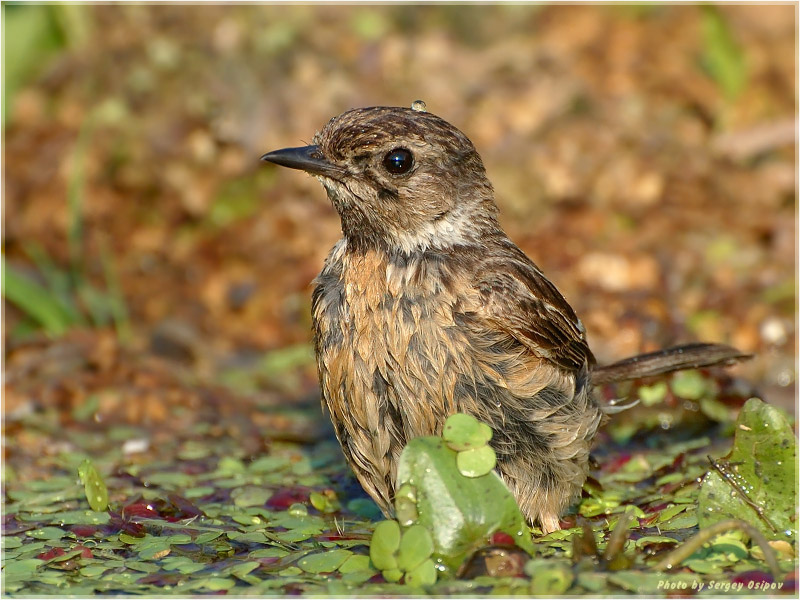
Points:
(425, 308)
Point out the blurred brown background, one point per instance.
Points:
(658, 141)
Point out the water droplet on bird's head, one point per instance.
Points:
(419, 106)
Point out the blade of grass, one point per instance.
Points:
(35, 301)
(76, 193)
(723, 57)
(116, 301)
(57, 279)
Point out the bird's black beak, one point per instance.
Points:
(305, 158)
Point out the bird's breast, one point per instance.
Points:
(388, 345)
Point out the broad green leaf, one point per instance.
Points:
(762, 464)
(459, 512)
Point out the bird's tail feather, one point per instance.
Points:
(689, 356)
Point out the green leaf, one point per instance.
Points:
(594, 582)
(228, 465)
(684, 520)
(670, 511)
(422, 575)
(324, 562)
(182, 564)
(48, 533)
(716, 410)
(92, 571)
(22, 567)
(416, 545)
(244, 568)
(268, 464)
(95, 487)
(723, 58)
(144, 567)
(464, 432)
(35, 301)
(460, 512)
(250, 496)
(704, 566)
(155, 549)
(392, 575)
(325, 502)
(690, 385)
(206, 537)
(476, 462)
(216, 583)
(250, 537)
(653, 394)
(550, 580)
(126, 538)
(179, 539)
(761, 464)
(31, 39)
(385, 542)
(654, 539)
(356, 563)
(732, 548)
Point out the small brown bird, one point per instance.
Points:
(425, 308)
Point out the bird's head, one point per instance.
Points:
(401, 179)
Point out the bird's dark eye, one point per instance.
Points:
(398, 161)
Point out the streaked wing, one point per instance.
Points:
(519, 299)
